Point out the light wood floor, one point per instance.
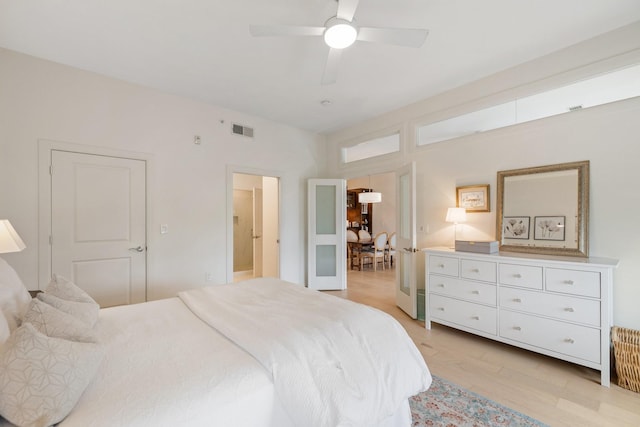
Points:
(555, 392)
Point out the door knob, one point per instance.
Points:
(138, 249)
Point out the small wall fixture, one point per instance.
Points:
(9, 239)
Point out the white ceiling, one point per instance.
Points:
(202, 48)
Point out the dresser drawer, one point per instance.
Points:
(471, 291)
(524, 276)
(443, 265)
(561, 307)
(586, 283)
(573, 340)
(475, 316)
(478, 270)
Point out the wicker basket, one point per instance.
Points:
(626, 348)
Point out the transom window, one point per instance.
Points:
(610, 87)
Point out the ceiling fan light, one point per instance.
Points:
(340, 34)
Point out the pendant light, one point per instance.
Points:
(369, 196)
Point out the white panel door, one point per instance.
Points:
(98, 223)
(256, 232)
(406, 281)
(327, 206)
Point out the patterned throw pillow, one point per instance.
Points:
(65, 289)
(85, 311)
(58, 324)
(42, 378)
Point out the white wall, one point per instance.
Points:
(187, 188)
(607, 136)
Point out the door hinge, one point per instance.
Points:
(50, 240)
(50, 169)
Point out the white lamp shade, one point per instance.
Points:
(370, 197)
(9, 239)
(456, 215)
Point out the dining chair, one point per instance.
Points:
(376, 251)
(364, 236)
(353, 255)
(391, 249)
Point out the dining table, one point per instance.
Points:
(356, 248)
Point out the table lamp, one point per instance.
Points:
(9, 239)
(456, 216)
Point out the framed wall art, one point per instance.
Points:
(516, 227)
(474, 198)
(549, 228)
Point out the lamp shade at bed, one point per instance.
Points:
(9, 239)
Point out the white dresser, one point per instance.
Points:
(558, 306)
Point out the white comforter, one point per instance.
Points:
(333, 362)
(166, 368)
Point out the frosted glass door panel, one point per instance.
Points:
(405, 213)
(326, 260)
(404, 261)
(326, 209)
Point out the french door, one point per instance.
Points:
(327, 233)
(406, 252)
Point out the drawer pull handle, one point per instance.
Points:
(440, 285)
(517, 328)
(568, 282)
(475, 292)
(440, 265)
(517, 275)
(517, 300)
(475, 317)
(569, 340)
(475, 270)
(441, 308)
(569, 309)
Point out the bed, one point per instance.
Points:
(258, 353)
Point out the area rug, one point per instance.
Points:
(446, 404)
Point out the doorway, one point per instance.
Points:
(380, 216)
(255, 223)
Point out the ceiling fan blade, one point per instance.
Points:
(346, 9)
(331, 69)
(284, 30)
(409, 37)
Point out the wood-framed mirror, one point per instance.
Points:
(544, 209)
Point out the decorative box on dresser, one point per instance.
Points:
(558, 306)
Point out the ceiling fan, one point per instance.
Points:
(340, 32)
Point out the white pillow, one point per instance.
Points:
(42, 378)
(85, 311)
(66, 289)
(14, 297)
(4, 330)
(55, 323)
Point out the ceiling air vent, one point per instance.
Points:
(242, 130)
